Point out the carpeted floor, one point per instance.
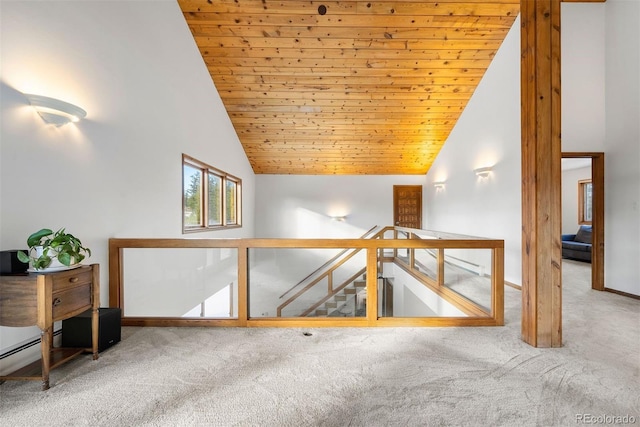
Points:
(355, 377)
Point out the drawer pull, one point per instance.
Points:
(57, 302)
(73, 280)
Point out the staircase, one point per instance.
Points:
(344, 294)
(347, 302)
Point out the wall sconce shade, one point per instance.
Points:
(438, 184)
(55, 111)
(483, 172)
(339, 218)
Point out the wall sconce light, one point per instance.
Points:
(483, 172)
(55, 111)
(438, 185)
(339, 218)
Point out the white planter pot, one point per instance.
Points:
(55, 264)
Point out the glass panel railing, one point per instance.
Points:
(465, 271)
(402, 253)
(243, 282)
(403, 294)
(468, 273)
(440, 235)
(278, 286)
(426, 261)
(185, 282)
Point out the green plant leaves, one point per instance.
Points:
(23, 257)
(41, 262)
(64, 258)
(65, 247)
(36, 238)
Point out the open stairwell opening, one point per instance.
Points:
(390, 276)
(408, 284)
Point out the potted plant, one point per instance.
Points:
(53, 251)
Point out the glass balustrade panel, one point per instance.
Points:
(184, 282)
(415, 294)
(305, 282)
(468, 273)
(426, 261)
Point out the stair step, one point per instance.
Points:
(331, 304)
(340, 297)
(345, 311)
(322, 312)
(349, 291)
(360, 284)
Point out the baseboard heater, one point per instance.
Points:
(24, 346)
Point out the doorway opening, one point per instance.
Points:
(585, 205)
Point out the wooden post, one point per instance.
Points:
(440, 267)
(95, 309)
(541, 173)
(243, 285)
(372, 286)
(497, 285)
(116, 297)
(597, 251)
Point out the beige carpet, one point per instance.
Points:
(354, 377)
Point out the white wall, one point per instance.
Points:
(487, 134)
(570, 190)
(622, 146)
(601, 101)
(135, 68)
(601, 68)
(302, 206)
(583, 76)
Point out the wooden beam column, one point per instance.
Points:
(541, 173)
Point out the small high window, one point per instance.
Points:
(211, 198)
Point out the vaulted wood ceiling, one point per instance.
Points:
(346, 87)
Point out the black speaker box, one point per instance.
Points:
(10, 264)
(76, 331)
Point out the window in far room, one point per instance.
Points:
(211, 198)
(585, 201)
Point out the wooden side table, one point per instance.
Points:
(44, 298)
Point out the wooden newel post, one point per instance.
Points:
(541, 173)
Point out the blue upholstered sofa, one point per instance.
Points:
(577, 246)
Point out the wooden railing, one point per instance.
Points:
(411, 265)
(322, 270)
(373, 248)
(326, 272)
(331, 293)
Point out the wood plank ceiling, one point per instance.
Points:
(346, 87)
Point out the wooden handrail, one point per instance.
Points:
(460, 301)
(335, 291)
(318, 279)
(373, 247)
(329, 272)
(464, 304)
(331, 261)
(441, 254)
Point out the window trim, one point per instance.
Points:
(582, 187)
(206, 170)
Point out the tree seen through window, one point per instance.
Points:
(210, 197)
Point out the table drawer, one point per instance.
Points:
(70, 300)
(72, 278)
(18, 305)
